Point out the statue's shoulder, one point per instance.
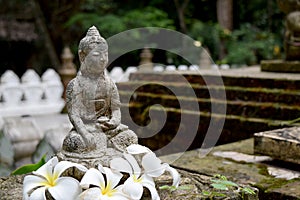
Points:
(110, 82)
(72, 88)
(71, 85)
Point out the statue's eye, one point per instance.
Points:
(96, 53)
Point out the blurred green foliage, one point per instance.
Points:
(248, 45)
(257, 33)
(111, 24)
(257, 25)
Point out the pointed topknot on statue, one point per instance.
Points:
(90, 41)
(93, 31)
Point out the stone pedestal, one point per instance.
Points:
(282, 144)
(90, 159)
(280, 66)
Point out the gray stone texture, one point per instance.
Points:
(282, 144)
(255, 101)
(93, 106)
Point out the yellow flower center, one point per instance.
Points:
(50, 180)
(136, 179)
(108, 191)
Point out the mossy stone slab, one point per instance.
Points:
(280, 66)
(282, 144)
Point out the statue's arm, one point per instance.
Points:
(115, 119)
(74, 106)
(115, 105)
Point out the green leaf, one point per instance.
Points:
(164, 187)
(167, 187)
(219, 186)
(30, 167)
(206, 193)
(184, 187)
(219, 194)
(248, 190)
(226, 183)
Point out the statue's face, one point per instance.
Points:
(96, 60)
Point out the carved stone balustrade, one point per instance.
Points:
(32, 95)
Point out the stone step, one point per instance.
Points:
(243, 167)
(252, 109)
(289, 97)
(282, 144)
(159, 134)
(249, 77)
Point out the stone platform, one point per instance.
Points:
(280, 66)
(282, 144)
(275, 180)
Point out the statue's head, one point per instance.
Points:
(92, 50)
(92, 40)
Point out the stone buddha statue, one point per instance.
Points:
(93, 106)
(292, 25)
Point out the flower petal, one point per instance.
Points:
(30, 182)
(66, 188)
(47, 169)
(147, 179)
(153, 191)
(152, 165)
(119, 194)
(92, 177)
(135, 166)
(112, 177)
(133, 189)
(38, 194)
(63, 165)
(92, 193)
(121, 165)
(137, 149)
(101, 169)
(174, 173)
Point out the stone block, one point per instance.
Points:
(6, 151)
(21, 129)
(24, 149)
(282, 144)
(51, 143)
(43, 148)
(280, 66)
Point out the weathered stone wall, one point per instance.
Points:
(255, 101)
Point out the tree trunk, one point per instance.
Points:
(225, 19)
(41, 24)
(224, 13)
(180, 11)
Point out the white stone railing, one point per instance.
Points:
(119, 75)
(30, 95)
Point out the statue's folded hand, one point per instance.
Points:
(108, 125)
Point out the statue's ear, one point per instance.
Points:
(81, 55)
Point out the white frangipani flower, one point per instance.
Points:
(133, 186)
(48, 178)
(106, 189)
(152, 167)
